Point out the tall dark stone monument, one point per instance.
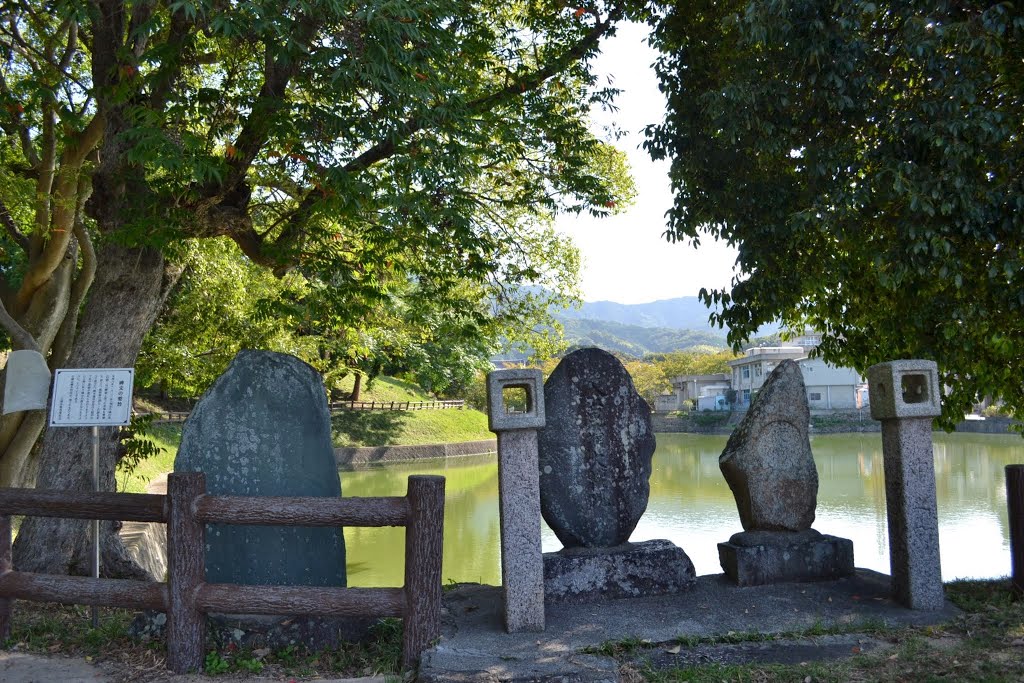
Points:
(595, 455)
(264, 429)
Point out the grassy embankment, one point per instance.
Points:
(348, 428)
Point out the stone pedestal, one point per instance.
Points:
(755, 558)
(912, 513)
(630, 570)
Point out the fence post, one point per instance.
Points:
(424, 539)
(1015, 504)
(6, 565)
(186, 560)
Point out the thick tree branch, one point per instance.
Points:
(142, 12)
(277, 73)
(61, 348)
(58, 230)
(12, 228)
(20, 337)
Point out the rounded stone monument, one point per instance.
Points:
(263, 429)
(594, 452)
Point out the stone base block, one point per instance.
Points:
(630, 570)
(249, 631)
(756, 558)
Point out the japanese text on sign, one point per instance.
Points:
(92, 397)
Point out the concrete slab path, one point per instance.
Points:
(475, 647)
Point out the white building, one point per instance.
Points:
(830, 387)
(750, 371)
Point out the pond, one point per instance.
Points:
(691, 505)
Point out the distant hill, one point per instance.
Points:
(682, 313)
(638, 329)
(635, 340)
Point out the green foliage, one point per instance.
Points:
(219, 309)
(649, 379)
(398, 164)
(696, 361)
(166, 437)
(215, 664)
(136, 445)
(865, 158)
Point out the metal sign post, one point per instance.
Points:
(92, 398)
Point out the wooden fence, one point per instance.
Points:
(336, 406)
(1015, 507)
(396, 405)
(187, 598)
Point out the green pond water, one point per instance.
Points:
(691, 505)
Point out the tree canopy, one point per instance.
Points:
(376, 147)
(867, 159)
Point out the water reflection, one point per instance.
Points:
(691, 505)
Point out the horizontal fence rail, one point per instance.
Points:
(397, 405)
(336, 406)
(187, 598)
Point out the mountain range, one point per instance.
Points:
(639, 329)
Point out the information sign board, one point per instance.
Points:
(92, 397)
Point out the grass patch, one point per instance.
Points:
(167, 438)
(407, 428)
(985, 643)
(385, 389)
(50, 629)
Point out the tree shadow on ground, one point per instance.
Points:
(367, 427)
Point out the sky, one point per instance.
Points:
(625, 257)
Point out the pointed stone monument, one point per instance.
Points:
(769, 466)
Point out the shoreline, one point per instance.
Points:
(706, 424)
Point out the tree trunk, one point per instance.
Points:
(357, 386)
(130, 288)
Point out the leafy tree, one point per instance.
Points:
(649, 379)
(214, 313)
(866, 160)
(706, 360)
(366, 143)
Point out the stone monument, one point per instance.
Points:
(768, 464)
(263, 429)
(595, 465)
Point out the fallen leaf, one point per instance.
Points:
(674, 650)
(855, 649)
(88, 658)
(893, 657)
